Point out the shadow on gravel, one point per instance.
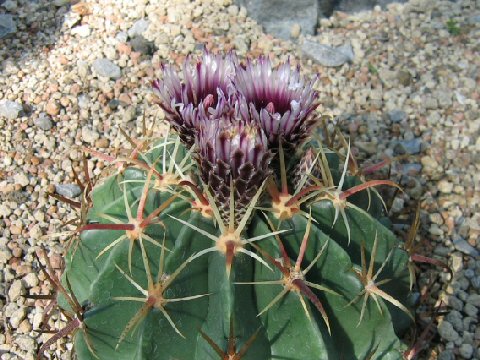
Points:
(28, 28)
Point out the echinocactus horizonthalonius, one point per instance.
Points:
(204, 248)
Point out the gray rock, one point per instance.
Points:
(10, 109)
(138, 28)
(347, 50)
(474, 19)
(463, 246)
(447, 332)
(121, 37)
(278, 17)
(397, 116)
(7, 25)
(106, 68)
(470, 310)
(446, 355)
(411, 147)
(68, 190)
(113, 104)
(455, 303)
(142, 45)
(43, 122)
(466, 351)
(455, 318)
(474, 299)
(469, 273)
(475, 282)
(10, 5)
(326, 55)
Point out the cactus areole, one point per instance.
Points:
(237, 235)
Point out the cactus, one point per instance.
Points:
(202, 246)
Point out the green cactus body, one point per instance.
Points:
(203, 248)
(292, 327)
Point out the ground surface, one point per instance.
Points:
(412, 88)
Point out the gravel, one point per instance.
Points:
(70, 77)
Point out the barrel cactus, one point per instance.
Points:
(238, 235)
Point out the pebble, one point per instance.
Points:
(89, 135)
(83, 101)
(474, 299)
(10, 109)
(16, 290)
(457, 262)
(397, 116)
(404, 77)
(7, 25)
(445, 186)
(326, 55)
(466, 351)
(102, 143)
(138, 28)
(43, 122)
(463, 246)
(52, 108)
(106, 68)
(68, 190)
(10, 5)
(142, 45)
(17, 317)
(411, 147)
(25, 342)
(446, 331)
(21, 179)
(82, 30)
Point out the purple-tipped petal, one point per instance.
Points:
(202, 86)
(281, 100)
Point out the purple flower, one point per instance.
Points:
(281, 101)
(232, 148)
(204, 83)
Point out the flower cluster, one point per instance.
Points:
(236, 115)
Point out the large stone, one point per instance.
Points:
(7, 25)
(326, 55)
(278, 16)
